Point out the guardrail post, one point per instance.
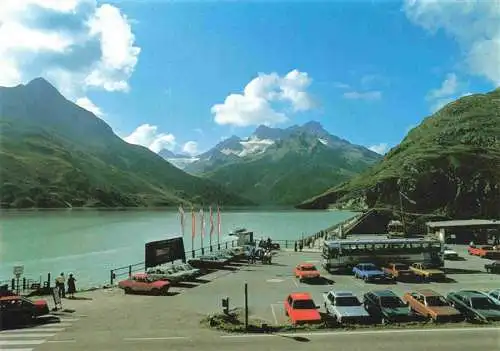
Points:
(202, 250)
(192, 253)
(111, 276)
(130, 271)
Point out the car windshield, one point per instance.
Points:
(347, 301)
(436, 301)
(482, 303)
(308, 268)
(391, 302)
(304, 304)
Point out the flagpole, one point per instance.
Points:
(218, 227)
(211, 227)
(201, 231)
(193, 229)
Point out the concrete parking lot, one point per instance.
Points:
(109, 320)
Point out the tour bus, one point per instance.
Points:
(345, 253)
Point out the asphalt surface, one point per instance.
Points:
(109, 320)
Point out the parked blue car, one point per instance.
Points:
(369, 272)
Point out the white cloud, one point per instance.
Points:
(368, 95)
(87, 104)
(448, 87)
(381, 148)
(448, 92)
(341, 85)
(190, 148)
(257, 104)
(147, 135)
(473, 24)
(76, 44)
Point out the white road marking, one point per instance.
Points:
(50, 325)
(295, 282)
(17, 349)
(27, 335)
(60, 341)
(274, 280)
(32, 330)
(157, 338)
(387, 331)
(21, 342)
(64, 320)
(274, 315)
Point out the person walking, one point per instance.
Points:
(60, 285)
(301, 245)
(295, 248)
(71, 286)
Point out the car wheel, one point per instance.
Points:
(128, 291)
(286, 313)
(164, 290)
(156, 292)
(365, 279)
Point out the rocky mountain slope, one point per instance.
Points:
(54, 153)
(283, 166)
(449, 165)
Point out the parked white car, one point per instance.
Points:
(450, 254)
(345, 307)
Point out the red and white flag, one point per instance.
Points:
(218, 222)
(193, 224)
(181, 213)
(202, 223)
(211, 222)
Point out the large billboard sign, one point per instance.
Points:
(163, 251)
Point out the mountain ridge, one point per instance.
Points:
(449, 165)
(269, 166)
(57, 154)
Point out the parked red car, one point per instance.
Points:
(144, 283)
(306, 271)
(301, 309)
(18, 310)
(484, 252)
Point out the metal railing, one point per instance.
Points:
(24, 284)
(141, 266)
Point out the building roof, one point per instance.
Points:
(465, 223)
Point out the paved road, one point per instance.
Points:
(459, 339)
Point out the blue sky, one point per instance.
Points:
(367, 70)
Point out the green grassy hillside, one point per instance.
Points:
(449, 165)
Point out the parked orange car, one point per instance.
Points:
(306, 271)
(484, 252)
(432, 305)
(301, 309)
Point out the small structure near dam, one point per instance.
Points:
(466, 230)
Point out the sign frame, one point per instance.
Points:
(164, 251)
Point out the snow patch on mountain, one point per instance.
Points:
(323, 141)
(253, 146)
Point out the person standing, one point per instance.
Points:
(71, 286)
(60, 285)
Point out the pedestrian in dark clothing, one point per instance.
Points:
(301, 245)
(71, 286)
(269, 243)
(295, 248)
(60, 285)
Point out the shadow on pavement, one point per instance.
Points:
(461, 271)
